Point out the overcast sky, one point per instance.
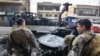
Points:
(87, 2)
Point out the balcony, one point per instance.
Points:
(48, 11)
(13, 1)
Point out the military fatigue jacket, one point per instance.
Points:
(21, 35)
(93, 47)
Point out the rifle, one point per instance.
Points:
(26, 52)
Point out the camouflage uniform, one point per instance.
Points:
(21, 35)
(77, 45)
(68, 41)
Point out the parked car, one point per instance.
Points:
(95, 28)
(71, 21)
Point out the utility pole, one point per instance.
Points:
(99, 8)
(28, 5)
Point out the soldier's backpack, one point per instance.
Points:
(85, 45)
(25, 51)
(92, 46)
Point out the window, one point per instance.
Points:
(57, 8)
(50, 15)
(56, 15)
(48, 7)
(40, 7)
(86, 12)
(99, 12)
(12, 8)
(47, 15)
(40, 15)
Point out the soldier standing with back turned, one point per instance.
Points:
(21, 41)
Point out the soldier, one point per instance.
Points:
(21, 41)
(87, 43)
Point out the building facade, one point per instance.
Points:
(84, 11)
(11, 6)
(14, 5)
(48, 10)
